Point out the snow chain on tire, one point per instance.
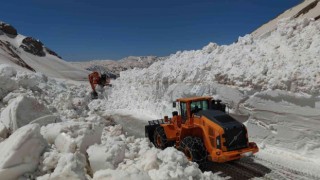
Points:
(164, 142)
(196, 148)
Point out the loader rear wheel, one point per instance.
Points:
(194, 149)
(160, 138)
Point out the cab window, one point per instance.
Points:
(197, 106)
(183, 111)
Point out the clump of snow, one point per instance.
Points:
(111, 152)
(7, 70)
(22, 111)
(7, 83)
(3, 131)
(72, 136)
(69, 166)
(31, 80)
(65, 143)
(106, 156)
(174, 165)
(21, 151)
(50, 160)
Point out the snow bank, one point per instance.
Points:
(22, 111)
(21, 151)
(286, 120)
(249, 65)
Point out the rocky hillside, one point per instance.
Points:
(30, 54)
(306, 9)
(115, 67)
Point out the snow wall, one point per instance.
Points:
(274, 80)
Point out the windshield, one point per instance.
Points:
(197, 106)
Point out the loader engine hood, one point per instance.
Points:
(235, 133)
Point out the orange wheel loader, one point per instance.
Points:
(203, 130)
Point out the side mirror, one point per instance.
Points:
(174, 113)
(166, 119)
(174, 104)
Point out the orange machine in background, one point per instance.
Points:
(95, 79)
(203, 131)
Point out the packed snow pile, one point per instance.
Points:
(119, 157)
(48, 130)
(275, 81)
(72, 136)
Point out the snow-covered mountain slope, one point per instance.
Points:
(306, 9)
(275, 81)
(29, 54)
(115, 67)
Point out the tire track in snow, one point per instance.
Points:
(131, 125)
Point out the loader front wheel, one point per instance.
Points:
(160, 138)
(194, 149)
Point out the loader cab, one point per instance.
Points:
(188, 106)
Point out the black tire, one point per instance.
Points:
(149, 131)
(94, 95)
(160, 138)
(194, 149)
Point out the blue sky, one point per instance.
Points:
(100, 29)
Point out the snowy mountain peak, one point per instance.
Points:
(30, 54)
(8, 29)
